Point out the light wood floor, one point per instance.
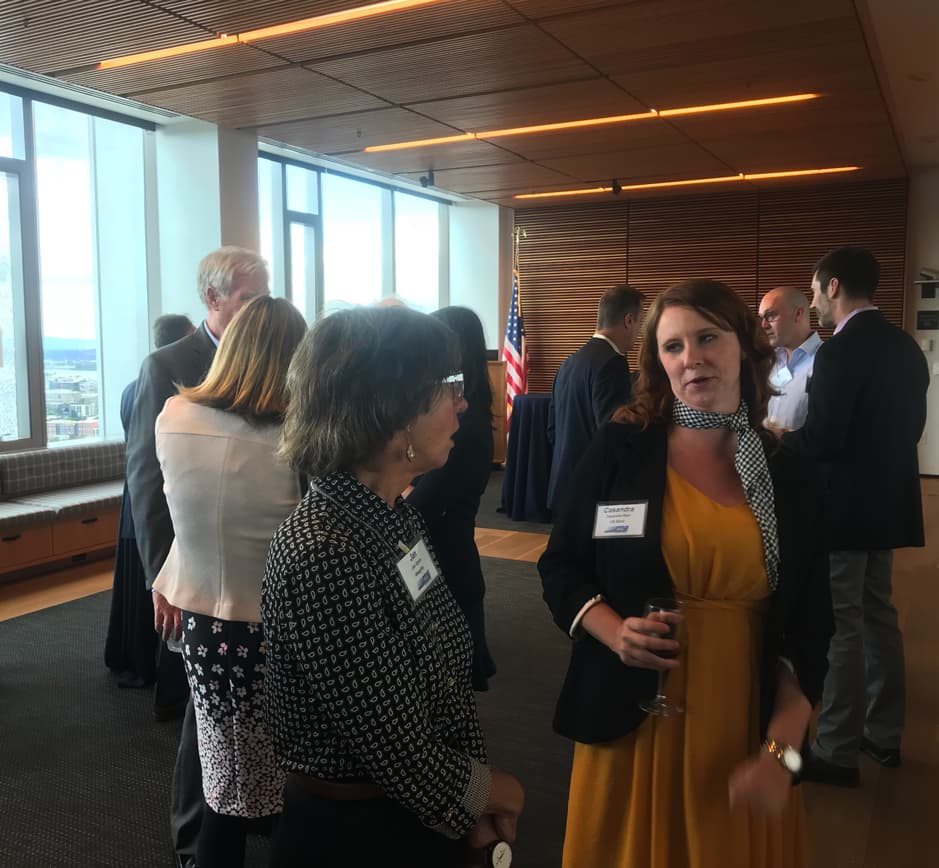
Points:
(890, 821)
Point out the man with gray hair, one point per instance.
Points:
(784, 315)
(591, 384)
(228, 278)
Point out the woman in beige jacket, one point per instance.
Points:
(227, 493)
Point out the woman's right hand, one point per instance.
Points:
(639, 642)
(636, 641)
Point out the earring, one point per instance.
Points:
(409, 452)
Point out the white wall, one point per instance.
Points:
(207, 194)
(475, 263)
(923, 252)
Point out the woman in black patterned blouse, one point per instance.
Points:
(368, 695)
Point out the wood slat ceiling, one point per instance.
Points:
(471, 65)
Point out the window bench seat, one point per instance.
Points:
(59, 505)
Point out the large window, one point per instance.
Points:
(338, 241)
(417, 251)
(73, 273)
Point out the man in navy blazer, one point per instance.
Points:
(866, 412)
(591, 384)
(228, 278)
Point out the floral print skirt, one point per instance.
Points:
(225, 667)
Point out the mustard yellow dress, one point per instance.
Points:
(657, 798)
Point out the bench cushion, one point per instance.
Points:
(15, 516)
(68, 502)
(24, 473)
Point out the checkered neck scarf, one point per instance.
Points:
(751, 466)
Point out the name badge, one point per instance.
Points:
(418, 569)
(620, 520)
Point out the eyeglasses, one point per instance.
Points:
(454, 386)
(770, 316)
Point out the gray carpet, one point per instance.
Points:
(85, 770)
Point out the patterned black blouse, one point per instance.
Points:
(361, 683)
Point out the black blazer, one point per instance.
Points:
(598, 701)
(183, 363)
(867, 409)
(588, 387)
(448, 498)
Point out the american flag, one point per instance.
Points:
(515, 353)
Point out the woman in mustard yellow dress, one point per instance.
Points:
(684, 496)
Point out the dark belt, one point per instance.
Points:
(356, 791)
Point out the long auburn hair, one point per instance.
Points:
(249, 372)
(653, 398)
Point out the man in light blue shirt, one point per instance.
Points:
(784, 315)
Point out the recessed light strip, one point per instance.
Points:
(332, 18)
(594, 122)
(722, 179)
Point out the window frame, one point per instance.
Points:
(283, 220)
(25, 172)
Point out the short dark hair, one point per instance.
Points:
(170, 327)
(855, 268)
(358, 377)
(653, 398)
(616, 303)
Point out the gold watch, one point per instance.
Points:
(789, 758)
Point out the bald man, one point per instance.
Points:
(784, 315)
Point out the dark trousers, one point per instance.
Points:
(187, 801)
(341, 834)
(865, 688)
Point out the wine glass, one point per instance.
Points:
(661, 705)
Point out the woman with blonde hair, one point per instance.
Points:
(227, 492)
(688, 516)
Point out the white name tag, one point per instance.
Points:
(418, 570)
(620, 520)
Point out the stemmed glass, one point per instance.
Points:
(662, 706)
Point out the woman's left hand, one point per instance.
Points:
(761, 784)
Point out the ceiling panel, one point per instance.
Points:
(51, 35)
(635, 37)
(412, 27)
(265, 97)
(552, 8)
(593, 140)
(822, 115)
(352, 132)
(842, 67)
(237, 16)
(513, 58)
(140, 78)
(596, 97)
(459, 155)
(641, 165)
(509, 176)
(866, 146)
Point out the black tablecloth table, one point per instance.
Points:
(527, 460)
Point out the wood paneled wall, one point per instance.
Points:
(752, 241)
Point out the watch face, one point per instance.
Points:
(500, 856)
(792, 760)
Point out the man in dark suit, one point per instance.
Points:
(866, 412)
(130, 647)
(228, 279)
(591, 384)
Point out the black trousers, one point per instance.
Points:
(326, 833)
(186, 801)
